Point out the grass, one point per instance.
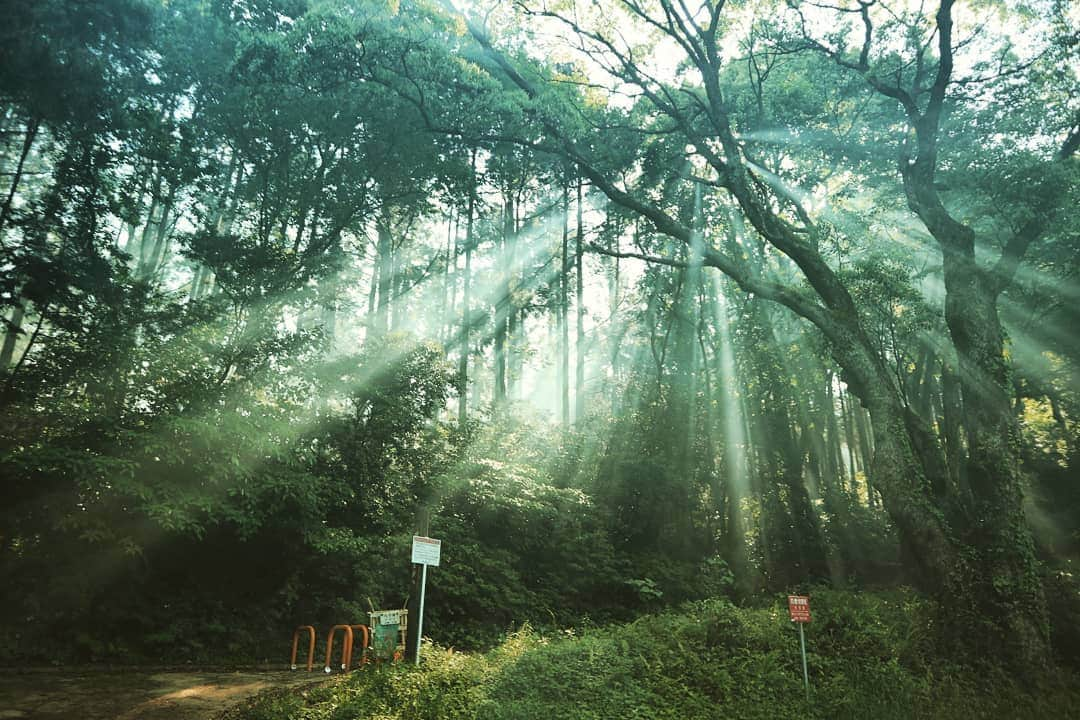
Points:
(869, 656)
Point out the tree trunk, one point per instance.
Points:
(454, 276)
(513, 316)
(502, 316)
(152, 218)
(466, 310)
(396, 300)
(783, 440)
(563, 313)
(849, 439)
(32, 127)
(161, 237)
(1009, 591)
(1004, 593)
(615, 346)
(834, 454)
(952, 435)
(222, 225)
(373, 290)
(579, 377)
(446, 289)
(863, 434)
(12, 330)
(384, 264)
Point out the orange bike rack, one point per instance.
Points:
(347, 648)
(311, 646)
(363, 647)
(347, 629)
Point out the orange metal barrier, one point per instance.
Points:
(311, 646)
(346, 650)
(363, 646)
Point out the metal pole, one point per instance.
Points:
(802, 646)
(420, 620)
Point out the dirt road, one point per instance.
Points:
(130, 695)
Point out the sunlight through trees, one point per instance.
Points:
(632, 303)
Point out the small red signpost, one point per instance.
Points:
(798, 607)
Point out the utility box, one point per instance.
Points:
(388, 628)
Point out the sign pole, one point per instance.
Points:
(802, 646)
(425, 551)
(799, 611)
(420, 620)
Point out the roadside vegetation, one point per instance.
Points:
(871, 655)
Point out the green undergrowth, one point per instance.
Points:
(869, 656)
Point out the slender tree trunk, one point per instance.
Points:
(10, 382)
(781, 413)
(804, 517)
(385, 265)
(476, 389)
(564, 307)
(513, 317)
(32, 127)
(849, 438)
(129, 237)
(682, 405)
(466, 311)
(329, 314)
(579, 252)
(142, 258)
(454, 275)
(711, 467)
(161, 236)
(198, 279)
(502, 315)
(921, 385)
(832, 434)
(863, 434)
(446, 290)
(518, 332)
(223, 224)
(397, 309)
(373, 290)
(11, 334)
(614, 300)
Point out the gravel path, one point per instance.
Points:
(130, 695)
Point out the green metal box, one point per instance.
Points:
(388, 628)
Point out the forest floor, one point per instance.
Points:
(134, 695)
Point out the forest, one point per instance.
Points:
(632, 303)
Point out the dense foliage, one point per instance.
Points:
(869, 656)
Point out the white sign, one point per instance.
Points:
(425, 550)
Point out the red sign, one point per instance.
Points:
(799, 608)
